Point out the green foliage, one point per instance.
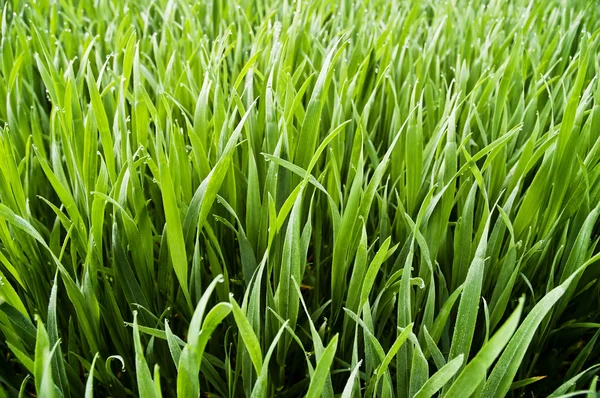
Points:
(299, 198)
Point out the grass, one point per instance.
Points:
(289, 198)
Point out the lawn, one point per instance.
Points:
(287, 198)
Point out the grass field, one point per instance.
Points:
(299, 198)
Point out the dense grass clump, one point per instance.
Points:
(310, 197)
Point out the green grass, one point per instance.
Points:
(273, 198)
